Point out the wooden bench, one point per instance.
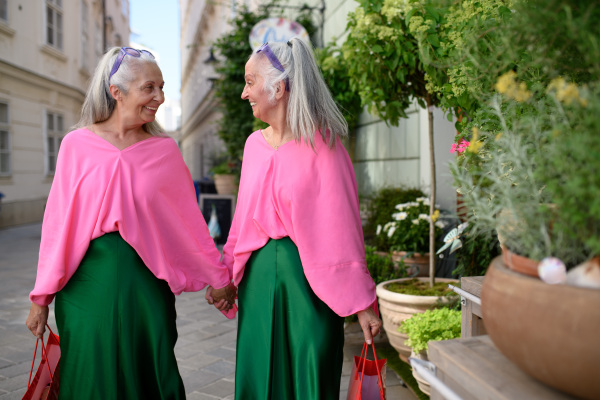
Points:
(471, 318)
(474, 369)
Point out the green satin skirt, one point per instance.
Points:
(289, 344)
(116, 323)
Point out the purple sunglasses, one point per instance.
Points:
(124, 51)
(274, 61)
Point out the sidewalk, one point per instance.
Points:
(205, 350)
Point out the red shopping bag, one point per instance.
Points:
(367, 380)
(45, 382)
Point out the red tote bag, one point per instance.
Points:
(44, 385)
(367, 380)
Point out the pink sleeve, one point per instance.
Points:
(230, 245)
(64, 241)
(176, 232)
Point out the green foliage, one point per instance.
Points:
(476, 253)
(432, 325)
(446, 30)
(380, 206)
(523, 176)
(383, 61)
(237, 121)
(335, 72)
(407, 228)
(381, 267)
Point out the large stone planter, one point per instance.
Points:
(396, 307)
(551, 332)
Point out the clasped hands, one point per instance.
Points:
(223, 298)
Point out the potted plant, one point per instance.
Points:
(407, 234)
(226, 176)
(400, 299)
(524, 177)
(432, 325)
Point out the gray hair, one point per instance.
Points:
(99, 104)
(310, 107)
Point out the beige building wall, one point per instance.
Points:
(48, 51)
(202, 22)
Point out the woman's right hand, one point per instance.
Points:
(37, 319)
(223, 299)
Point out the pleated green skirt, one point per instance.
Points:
(117, 329)
(289, 344)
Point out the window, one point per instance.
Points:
(84, 36)
(4, 141)
(54, 135)
(54, 28)
(4, 10)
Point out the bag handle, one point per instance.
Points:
(363, 359)
(44, 357)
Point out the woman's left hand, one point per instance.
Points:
(37, 319)
(370, 324)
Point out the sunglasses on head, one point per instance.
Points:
(266, 50)
(122, 53)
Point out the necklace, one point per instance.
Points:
(284, 140)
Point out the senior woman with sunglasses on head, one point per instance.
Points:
(122, 234)
(296, 248)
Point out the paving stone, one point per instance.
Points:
(220, 388)
(221, 368)
(201, 396)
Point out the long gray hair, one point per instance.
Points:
(310, 107)
(99, 104)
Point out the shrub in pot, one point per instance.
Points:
(432, 325)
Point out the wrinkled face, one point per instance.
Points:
(145, 94)
(254, 90)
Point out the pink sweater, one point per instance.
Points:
(310, 196)
(145, 192)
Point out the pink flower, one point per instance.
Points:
(460, 147)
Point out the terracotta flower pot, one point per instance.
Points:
(519, 263)
(551, 332)
(396, 307)
(225, 183)
(417, 264)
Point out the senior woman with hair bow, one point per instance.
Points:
(122, 234)
(295, 248)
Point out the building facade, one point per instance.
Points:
(48, 52)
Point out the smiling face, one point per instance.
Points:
(145, 94)
(254, 89)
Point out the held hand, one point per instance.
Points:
(37, 319)
(370, 324)
(223, 299)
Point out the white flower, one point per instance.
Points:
(401, 216)
(378, 229)
(387, 226)
(422, 199)
(424, 216)
(391, 231)
(440, 224)
(402, 206)
(415, 221)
